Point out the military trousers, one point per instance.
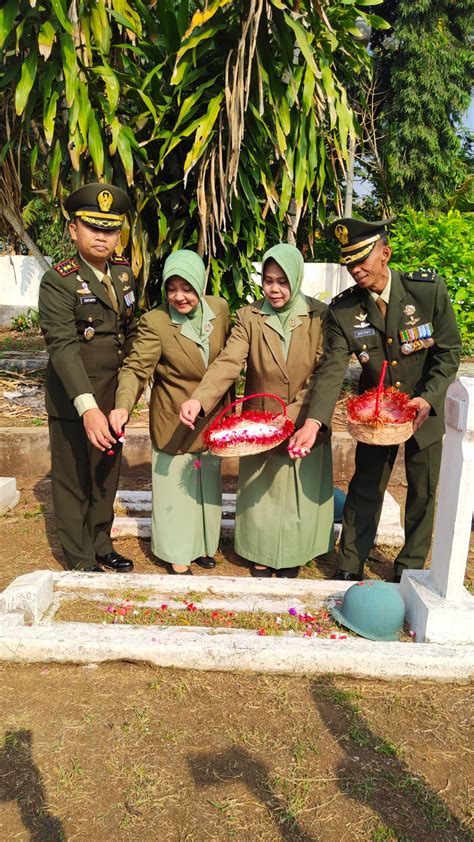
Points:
(373, 466)
(84, 482)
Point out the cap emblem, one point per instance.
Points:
(342, 234)
(105, 200)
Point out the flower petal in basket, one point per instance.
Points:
(386, 421)
(251, 432)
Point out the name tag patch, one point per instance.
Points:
(367, 331)
(91, 299)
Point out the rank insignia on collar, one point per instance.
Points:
(409, 310)
(207, 328)
(119, 260)
(293, 322)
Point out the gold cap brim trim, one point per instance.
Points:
(354, 258)
(361, 243)
(100, 220)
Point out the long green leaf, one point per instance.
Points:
(59, 8)
(202, 133)
(27, 80)
(95, 145)
(46, 37)
(49, 117)
(8, 13)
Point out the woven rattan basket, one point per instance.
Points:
(387, 434)
(252, 432)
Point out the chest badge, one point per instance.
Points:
(364, 357)
(409, 310)
(84, 290)
(361, 320)
(207, 328)
(89, 333)
(123, 277)
(411, 322)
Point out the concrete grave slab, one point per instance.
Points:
(228, 649)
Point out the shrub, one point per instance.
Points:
(26, 321)
(443, 242)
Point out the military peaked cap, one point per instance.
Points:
(98, 205)
(357, 237)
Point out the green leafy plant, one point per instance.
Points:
(26, 321)
(440, 241)
(227, 122)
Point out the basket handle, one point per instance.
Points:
(247, 398)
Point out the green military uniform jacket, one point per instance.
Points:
(256, 343)
(357, 326)
(86, 339)
(165, 351)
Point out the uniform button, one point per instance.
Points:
(119, 353)
(120, 335)
(394, 362)
(364, 347)
(89, 319)
(398, 384)
(389, 340)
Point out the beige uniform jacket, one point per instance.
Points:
(176, 364)
(258, 345)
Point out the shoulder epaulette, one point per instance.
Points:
(119, 260)
(421, 275)
(343, 295)
(67, 267)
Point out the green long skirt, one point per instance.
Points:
(285, 510)
(186, 506)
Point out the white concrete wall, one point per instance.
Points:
(20, 277)
(321, 280)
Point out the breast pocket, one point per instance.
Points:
(89, 312)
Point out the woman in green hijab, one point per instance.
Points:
(284, 512)
(176, 342)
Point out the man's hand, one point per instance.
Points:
(423, 409)
(117, 420)
(189, 411)
(97, 429)
(301, 442)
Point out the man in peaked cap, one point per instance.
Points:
(87, 306)
(406, 319)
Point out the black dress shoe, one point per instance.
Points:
(206, 562)
(264, 573)
(288, 572)
(346, 576)
(115, 561)
(174, 572)
(396, 579)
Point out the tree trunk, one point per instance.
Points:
(25, 238)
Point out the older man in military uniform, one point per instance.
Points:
(406, 319)
(86, 307)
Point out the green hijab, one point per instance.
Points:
(290, 259)
(190, 267)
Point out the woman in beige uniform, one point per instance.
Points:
(284, 514)
(175, 344)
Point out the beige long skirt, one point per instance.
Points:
(285, 510)
(186, 506)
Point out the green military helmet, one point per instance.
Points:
(372, 609)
